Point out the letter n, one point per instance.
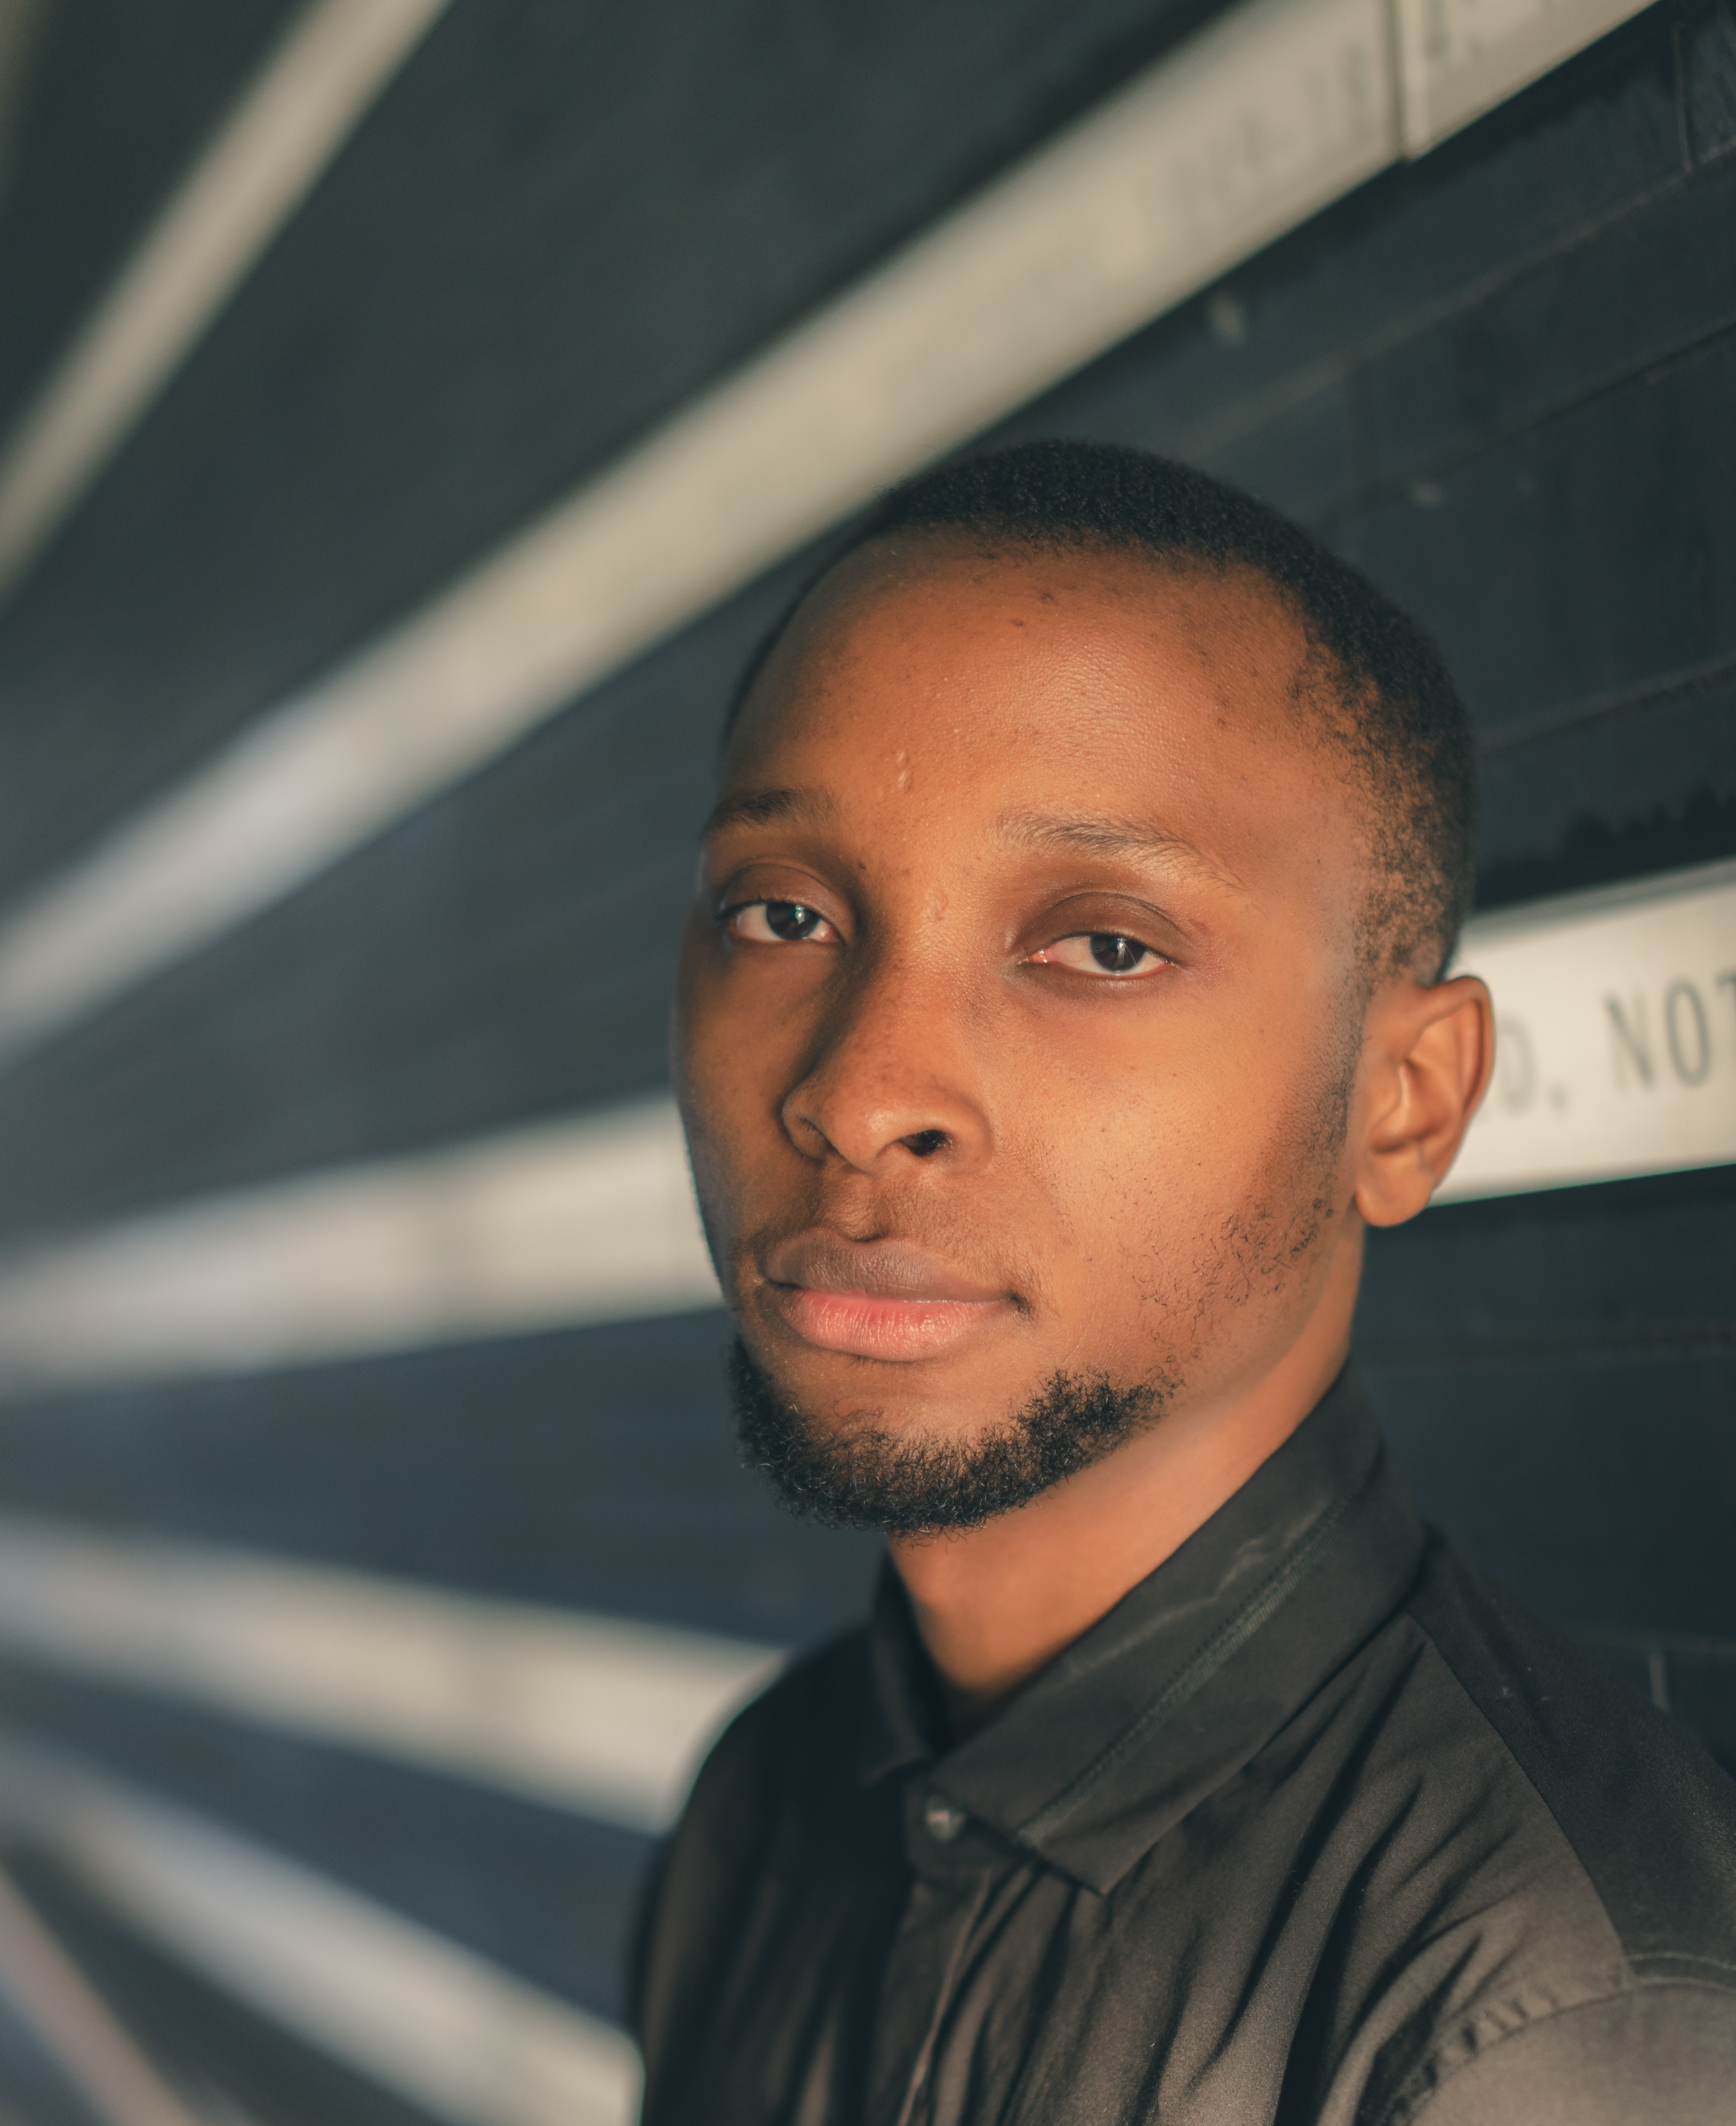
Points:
(1633, 1051)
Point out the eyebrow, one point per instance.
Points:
(1097, 835)
(765, 808)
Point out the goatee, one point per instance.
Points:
(864, 1476)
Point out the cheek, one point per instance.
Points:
(1125, 1174)
(728, 1087)
(712, 1042)
(1181, 1192)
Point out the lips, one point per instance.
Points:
(877, 1299)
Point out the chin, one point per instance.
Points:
(896, 1463)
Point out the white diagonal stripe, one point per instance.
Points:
(75, 2026)
(1460, 57)
(1272, 111)
(470, 2042)
(269, 153)
(590, 1220)
(600, 1714)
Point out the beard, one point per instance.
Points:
(862, 1476)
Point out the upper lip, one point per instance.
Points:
(820, 1260)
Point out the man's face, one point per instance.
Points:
(1017, 1014)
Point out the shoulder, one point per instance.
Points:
(1582, 1859)
(747, 1822)
(791, 1751)
(799, 1733)
(1662, 2054)
(1646, 1815)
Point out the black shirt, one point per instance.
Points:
(1315, 1824)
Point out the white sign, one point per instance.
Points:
(1616, 1036)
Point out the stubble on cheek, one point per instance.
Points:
(1247, 1259)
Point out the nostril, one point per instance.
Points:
(926, 1142)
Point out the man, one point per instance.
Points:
(1064, 996)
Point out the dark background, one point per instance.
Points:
(1501, 378)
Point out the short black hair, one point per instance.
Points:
(1379, 687)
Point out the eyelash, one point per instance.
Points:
(733, 918)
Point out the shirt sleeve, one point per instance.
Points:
(1663, 2054)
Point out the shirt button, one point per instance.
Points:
(942, 1821)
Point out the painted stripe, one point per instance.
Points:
(1616, 1049)
(586, 1221)
(594, 1713)
(1618, 1019)
(1272, 111)
(270, 151)
(464, 2039)
(74, 2026)
(1458, 59)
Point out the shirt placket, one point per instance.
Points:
(953, 1869)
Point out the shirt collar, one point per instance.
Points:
(1188, 1675)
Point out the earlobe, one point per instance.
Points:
(1429, 1053)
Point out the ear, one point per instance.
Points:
(1427, 1054)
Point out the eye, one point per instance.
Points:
(780, 923)
(1101, 952)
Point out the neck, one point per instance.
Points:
(995, 1604)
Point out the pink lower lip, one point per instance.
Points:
(869, 1327)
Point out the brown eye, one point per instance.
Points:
(789, 919)
(1116, 955)
(781, 923)
(1110, 952)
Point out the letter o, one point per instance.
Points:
(1691, 1071)
(1516, 1065)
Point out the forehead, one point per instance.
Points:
(991, 677)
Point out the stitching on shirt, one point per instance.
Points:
(1228, 1641)
(1678, 1960)
(1425, 2081)
(1420, 2088)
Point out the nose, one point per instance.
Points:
(891, 1077)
